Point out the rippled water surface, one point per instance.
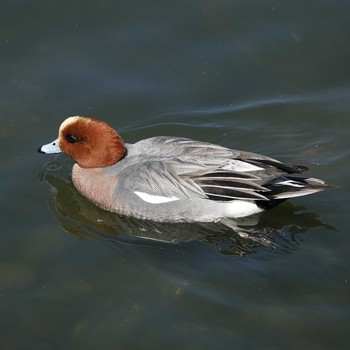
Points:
(271, 77)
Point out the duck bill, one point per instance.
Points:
(52, 147)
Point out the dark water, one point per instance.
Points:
(265, 76)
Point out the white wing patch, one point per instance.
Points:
(150, 198)
(238, 165)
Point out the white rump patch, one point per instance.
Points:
(239, 209)
(150, 198)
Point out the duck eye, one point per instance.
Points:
(71, 138)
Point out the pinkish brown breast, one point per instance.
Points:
(96, 185)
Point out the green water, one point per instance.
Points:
(271, 77)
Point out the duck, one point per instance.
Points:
(174, 179)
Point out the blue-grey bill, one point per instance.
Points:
(51, 147)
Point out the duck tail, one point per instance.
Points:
(295, 186)
(287, 186)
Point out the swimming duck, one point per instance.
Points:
(174, 179)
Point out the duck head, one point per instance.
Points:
(92, 143)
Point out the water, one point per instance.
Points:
(264, 76)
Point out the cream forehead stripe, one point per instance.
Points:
(70, 121)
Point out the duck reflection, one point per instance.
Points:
(83, 219)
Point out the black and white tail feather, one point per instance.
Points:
(267, 188)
